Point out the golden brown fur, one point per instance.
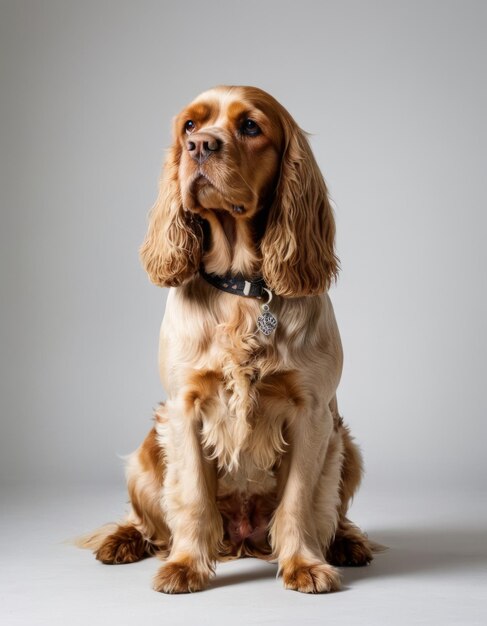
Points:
(248, 455)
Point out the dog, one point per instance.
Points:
(248, 456)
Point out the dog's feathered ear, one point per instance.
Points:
(298, 253)
(171, 252)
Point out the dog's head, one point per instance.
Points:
(237, 150)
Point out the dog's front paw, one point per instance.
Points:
(310, 577)
(181, 577)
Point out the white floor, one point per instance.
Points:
(434, 573)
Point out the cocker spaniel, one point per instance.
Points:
(248, 456)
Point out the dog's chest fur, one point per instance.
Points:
(237, 390)
(240, 424)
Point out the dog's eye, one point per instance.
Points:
(249, 127)
(189, 126)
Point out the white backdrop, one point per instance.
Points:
(394, 96)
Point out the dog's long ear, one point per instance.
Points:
(298, 245)
(171, 252)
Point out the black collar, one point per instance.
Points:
(236, 284)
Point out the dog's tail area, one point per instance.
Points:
(377, 548)
(119, 543)
(95, 539)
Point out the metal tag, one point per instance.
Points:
(266, 322)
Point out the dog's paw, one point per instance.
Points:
(308, 577)
(181, 577)
(351, 548)
(125, 545)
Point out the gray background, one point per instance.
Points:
(394, 96)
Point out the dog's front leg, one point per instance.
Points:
(189, 501)
(294, 530)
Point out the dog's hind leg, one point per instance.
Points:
(350, 545)
(144, 531)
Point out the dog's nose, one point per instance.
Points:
(202, 145)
